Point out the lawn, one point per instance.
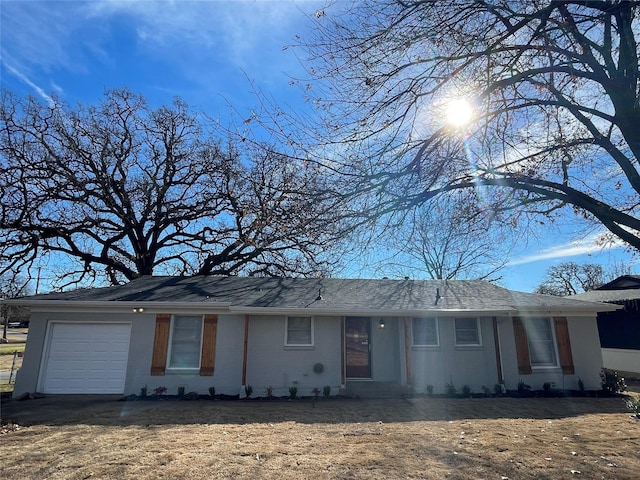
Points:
(497, 438)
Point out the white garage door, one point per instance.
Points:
(86, 358)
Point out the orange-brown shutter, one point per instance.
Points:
(522, 347)
(564, 345)
(209, 333)
(160, 344)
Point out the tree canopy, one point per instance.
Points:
(445, 240)
(570, 278)
(121, 189)
(552, 88)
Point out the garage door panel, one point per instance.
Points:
(87, 358)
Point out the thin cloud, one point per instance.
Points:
(35, 87)
(590, 244)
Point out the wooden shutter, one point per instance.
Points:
(564, 345)
(160, 344)
(522, 347)
(208, 354)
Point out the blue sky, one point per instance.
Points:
(212, 54)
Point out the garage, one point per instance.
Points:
(86, 358)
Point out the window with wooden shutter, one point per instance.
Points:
(522, 347)
(209, 333)
(160, 344)
(564, 345)
(542, 348)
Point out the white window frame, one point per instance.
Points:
(286, 332)
(437, 329)
(478, 330)
(170, 349)
(528, 326)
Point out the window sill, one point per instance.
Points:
(182, 371)
(545, 368)
(469, 347)
(299, 347)
(425, 347)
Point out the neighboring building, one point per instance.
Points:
(228, 332)
(620, 329)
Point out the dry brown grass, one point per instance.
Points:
(7, 360)
(335, 439)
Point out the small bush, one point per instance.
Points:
(158, 391)
(181, 391)
(633, 404)
(316, 393)
(580, 385)
(612, 382)
(248, 390)
(546, 386)
(486, 391)
(293, 392)
(450, 389)
(326, 391)
(269, 392)
(497, 389)
(523, 387)
(429, 389)
(143, 391)
(212, 391)
(466, 390)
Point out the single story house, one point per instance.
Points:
(620, 329)
(275, 333)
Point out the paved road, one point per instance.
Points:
(20, 336)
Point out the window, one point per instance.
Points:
(542, 350)
(425, 332)
(468, 332)
(185, 343)
(299, 331)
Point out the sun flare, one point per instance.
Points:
(459, 112)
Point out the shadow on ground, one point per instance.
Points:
(108, 410)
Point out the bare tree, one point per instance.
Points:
(11, 286)
(446, 240)
(570, 278)
(124, 190)
(552, 86)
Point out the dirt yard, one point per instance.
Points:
(500, 439)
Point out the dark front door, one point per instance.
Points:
(357, 347)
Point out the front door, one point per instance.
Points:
(357, 347)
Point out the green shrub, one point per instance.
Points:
(633, 404)
(293, 392)
(429, 389)
(450, 389)
(326, 391)
(466, 390)
(212, 391)
(523, 387)
(612, 382)
(248, 390)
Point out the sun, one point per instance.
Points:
(459, 113)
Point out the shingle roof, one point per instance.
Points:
(335, 295)
(608, 295)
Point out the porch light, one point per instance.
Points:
(138, 310)
(381, 323)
